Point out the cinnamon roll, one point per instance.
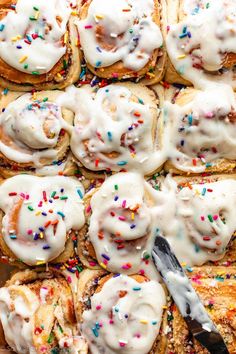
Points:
(216, 286)
(38, 44)
(37, 314)
(121, 313)
(116, 127)
(122, 39)
(201, 210)
(200, 130)
(34, 132)
(39, 217)
(201, 41)
(120, 225)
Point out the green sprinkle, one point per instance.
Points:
(35, 73)
(64, 197)
(30, 208)
(116, 187)
(32, 18)
(53, 194)
(36, 8)
(50, 338)
(45, 99)
(60, 329)
(65, 64)
(210, 218)
(140, 101)
(26, 66)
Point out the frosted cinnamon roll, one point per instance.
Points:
(201, 211)
(39, 218)
(38, 316)
(122, 38)
(116, 127)
(216, 286)
(120, 225)
(201, 41)
(200, 130)
(34, 131)
(38, 44)
(121, 313)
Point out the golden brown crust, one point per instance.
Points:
(58, 77)
(216, 286)
(153, 70)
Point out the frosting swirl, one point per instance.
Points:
(30, 130)
(125, 316)
(114, 128)
(39, 214)
(201, 131)
(31, 37)
(121, 225)
(121, 30)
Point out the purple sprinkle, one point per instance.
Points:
(99, 49)
(116, 198)
(132, 226)
(46, 247)
(41, 228)
(44, 214)
(19, 47)
(182, 142)
(36, 236)
(50, 201)
(62, 190)
(106, 257)
(116, 275)
(189, 35)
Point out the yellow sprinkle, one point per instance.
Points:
(103, 265)
(151, 74)
(34, 96)
(132, 216)
(182, 56)
(221, 273)
(164, 307)
(40, 262)
(38, 213)
(74, 13)
(59, 76)
(14, 39)
(22, 59)
(231, 307)
(99, 17)
(143, 321)
(66, 37)
(36, 16)
(41, 235)
(76, 42)
(183, 264)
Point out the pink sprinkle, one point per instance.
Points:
(88, 26)
(105, 261)
(27, 197)
(98, 307)
(40, 204)
(69, 279)
(215, 217)
(138, 335)
(92, 264)
(88, 209)
(122, 344)
(202, 218)
(100, 324)
(209, 115)
(141, 272)
(124, 204)
(111, 321)
(22, 195)
(115, 75)
(29, 232)
(122, 218)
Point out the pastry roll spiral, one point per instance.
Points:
(201, 41)
(39, 216)
(121, 313)
(122, 38)
(34, 132)
(38, 44)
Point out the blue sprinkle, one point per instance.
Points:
(122, 163)
(2, 26)
(208, 164)
(98, 63)
(29, 38)
(109, 134)
(97, 325)
(13, 237)
(190, 119)
(5, 91)
(80, 193)
(137, 288)
(154, 323)
(95, 331)
(116, 309)
(204, 191)
(61, 214)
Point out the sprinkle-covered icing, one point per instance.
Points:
(33, 37)
(30, 129)
(39, 214)
(125, 316)
(122, 224)
(119, 30)
(114, 129)
(203, 130)
(202, 219)
(17, 308)
(201, 45)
